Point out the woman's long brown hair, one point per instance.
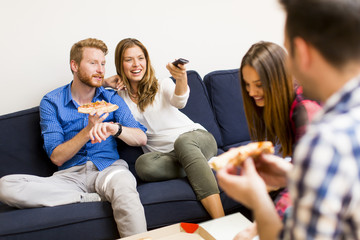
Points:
(148, 86)
(271, 122)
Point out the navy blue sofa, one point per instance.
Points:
(214, 102)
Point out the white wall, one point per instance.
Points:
(36, 37)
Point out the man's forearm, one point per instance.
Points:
(68, 149)
(133, 136)
(268, 222)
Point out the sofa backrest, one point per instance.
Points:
(226, 99)
(198, 107)
(21, 145)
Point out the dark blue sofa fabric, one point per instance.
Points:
(224, 91)
(165, 202)
(21, 145)
(72, 221)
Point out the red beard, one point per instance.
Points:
(88, 80)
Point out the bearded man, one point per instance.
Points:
(83, 146)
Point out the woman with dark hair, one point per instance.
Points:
(274, 107)
(176, 146)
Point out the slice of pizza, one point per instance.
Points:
(237, 156)
(99, 106)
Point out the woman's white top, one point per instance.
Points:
(163, 119)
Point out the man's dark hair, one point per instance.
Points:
(331, 26)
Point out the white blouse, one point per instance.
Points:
(163, 119)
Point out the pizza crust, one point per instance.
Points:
(85, 110)
(111, 108)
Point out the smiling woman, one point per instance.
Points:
(268, 92)
(176, 146)
(133, 63)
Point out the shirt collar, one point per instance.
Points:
(99, 95)
(342, 96)
(68, 96)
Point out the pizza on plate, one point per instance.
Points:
(99, 106)
(238, 155)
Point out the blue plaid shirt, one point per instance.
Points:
(60, 121)
(325, 182)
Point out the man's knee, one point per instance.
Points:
(120, 179)
(9, 192)
(2, 188)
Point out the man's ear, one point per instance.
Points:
(74, 66)
(303, 52)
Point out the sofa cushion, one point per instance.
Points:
(198, 107)
(160, 201)
(21, 145)
(71, 221)
(225, 96)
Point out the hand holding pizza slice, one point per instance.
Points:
(237, 156)
(99, 106)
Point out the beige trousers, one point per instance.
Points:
(115, 184)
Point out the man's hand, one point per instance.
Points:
(114, 82)
(101, 131)
(247, 188)
(68, 149)
(273, 170)
(96, 127)
(96, 117)
(247, 233)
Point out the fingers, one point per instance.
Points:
(97, 132)
(273, 163)
(246, 188)
(227, 178)
(100, 132)
(232, 169)
(270, 158)
(235, 186)
(112, 82)
(119, 84)
(97, 116)
(179, 72)
(249, 167)
(116, 82)
(179, 69)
